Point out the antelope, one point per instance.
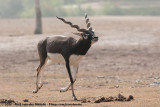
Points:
(65, 50)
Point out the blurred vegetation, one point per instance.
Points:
(50, 8)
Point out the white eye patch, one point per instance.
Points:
(85, 36)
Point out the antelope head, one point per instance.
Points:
(86, 34)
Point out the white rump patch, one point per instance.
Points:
(58, 58)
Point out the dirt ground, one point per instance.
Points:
(125, 60)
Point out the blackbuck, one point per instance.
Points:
(65, 50)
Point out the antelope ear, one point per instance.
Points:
(79, 34)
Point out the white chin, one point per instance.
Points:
(92, 42)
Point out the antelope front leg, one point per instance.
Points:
(75, 71)
(71, 79)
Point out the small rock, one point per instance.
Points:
(130, 98)
(151, 84)
(156, 82)
(100, 76)
(118, 98)
(25, 100)
(6, 101)
(100, 100)
(117, 86)
(85, 101)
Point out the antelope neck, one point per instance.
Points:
(81, 47)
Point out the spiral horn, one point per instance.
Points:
(87, 22)
(74, 26)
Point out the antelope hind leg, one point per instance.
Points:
(39, 82)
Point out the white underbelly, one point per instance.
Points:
(58, 58)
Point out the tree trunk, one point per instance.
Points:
(38, 29)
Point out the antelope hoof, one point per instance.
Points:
(74, 98)
(40, 86)
(35, 91)
(63, 90)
